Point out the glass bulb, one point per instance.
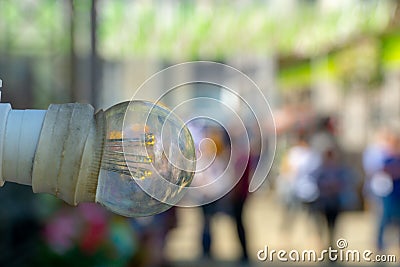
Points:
(148, 159)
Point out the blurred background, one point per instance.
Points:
(329, 69)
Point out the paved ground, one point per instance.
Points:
(266, 225)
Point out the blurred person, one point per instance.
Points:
(295, 184)
(332, 178)
(239, 194)
(385, 185)
(238, 198)
(373, 159)
(217, 151)
(336, 182)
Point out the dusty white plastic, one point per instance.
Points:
(57, 151)
(4, 110)
(22, 133)
(65, 163)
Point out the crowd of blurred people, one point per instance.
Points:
(317, 176)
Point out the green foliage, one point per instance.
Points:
(391, 50)
(295, 76)
(189, 30)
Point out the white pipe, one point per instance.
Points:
(22, 133)
(4, 110)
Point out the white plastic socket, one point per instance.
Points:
(57, 151)
(65, 162)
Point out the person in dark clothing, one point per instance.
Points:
(221, 149)
(330, 178)
(239, 197)
(240, 192)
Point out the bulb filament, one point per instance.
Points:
(115, 159)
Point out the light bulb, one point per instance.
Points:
(136, 158)
(139, 138)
